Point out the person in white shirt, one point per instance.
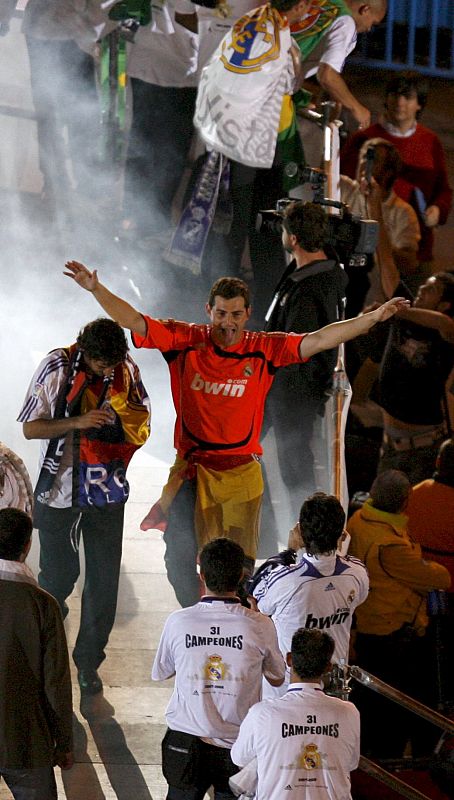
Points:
(326, 60)
(218, 651)
(305, 741)
(210, 23)
(322, 589)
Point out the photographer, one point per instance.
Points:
(372, 196)
(322, 589)
(307, 297)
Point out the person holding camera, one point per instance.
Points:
(308, 296)
(321, 589)
(372, 196)
(218, 651)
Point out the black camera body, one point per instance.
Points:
(351, 238)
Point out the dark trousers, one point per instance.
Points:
(215, 767)
(159, 141)
(30, 784)
(102, 533)
(181, 546)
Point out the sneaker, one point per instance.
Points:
(89, 681)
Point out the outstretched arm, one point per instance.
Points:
(338, 332)
(122, 312)
(333, 83)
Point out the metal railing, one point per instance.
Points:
(416, 34)
(341, 677)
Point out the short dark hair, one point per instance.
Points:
(103, 340)
(221, 563)
(311, 651)
(15, 531)
(322, 521)
(445, 461)
(447, 279)
(309, 223)
(228, 288)
(389, 491)
(407, 83)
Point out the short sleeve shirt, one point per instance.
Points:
(219, 652)
(39, 403)
(333, 48)
(306, 745)
(320, 592)
(219, 395)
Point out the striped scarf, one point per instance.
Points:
(100, 455)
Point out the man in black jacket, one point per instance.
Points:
(308, 296)
(35, 683)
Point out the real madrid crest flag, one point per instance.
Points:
(242, 88)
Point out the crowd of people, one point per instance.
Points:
(216, 100)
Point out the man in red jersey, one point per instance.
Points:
(220, 376)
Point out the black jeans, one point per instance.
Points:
(181, 546)
(215, 767)
(159, 141)
(102, 532)
(418, 464)
(31, 784)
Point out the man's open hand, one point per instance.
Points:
(81, 275)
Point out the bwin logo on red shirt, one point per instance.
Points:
(231, 388)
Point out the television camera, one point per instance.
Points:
(351, 238)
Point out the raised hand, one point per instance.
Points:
(81, 275)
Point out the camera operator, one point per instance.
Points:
(308, 296)
(322, 589)
(372, 196)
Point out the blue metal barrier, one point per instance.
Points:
(416, 34)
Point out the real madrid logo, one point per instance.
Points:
(311, 758)
(214, 668)
(254, 41)
(248, 371)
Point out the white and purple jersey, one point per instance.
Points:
(316, 592)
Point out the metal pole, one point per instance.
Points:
(372, 769)
(371, 682)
